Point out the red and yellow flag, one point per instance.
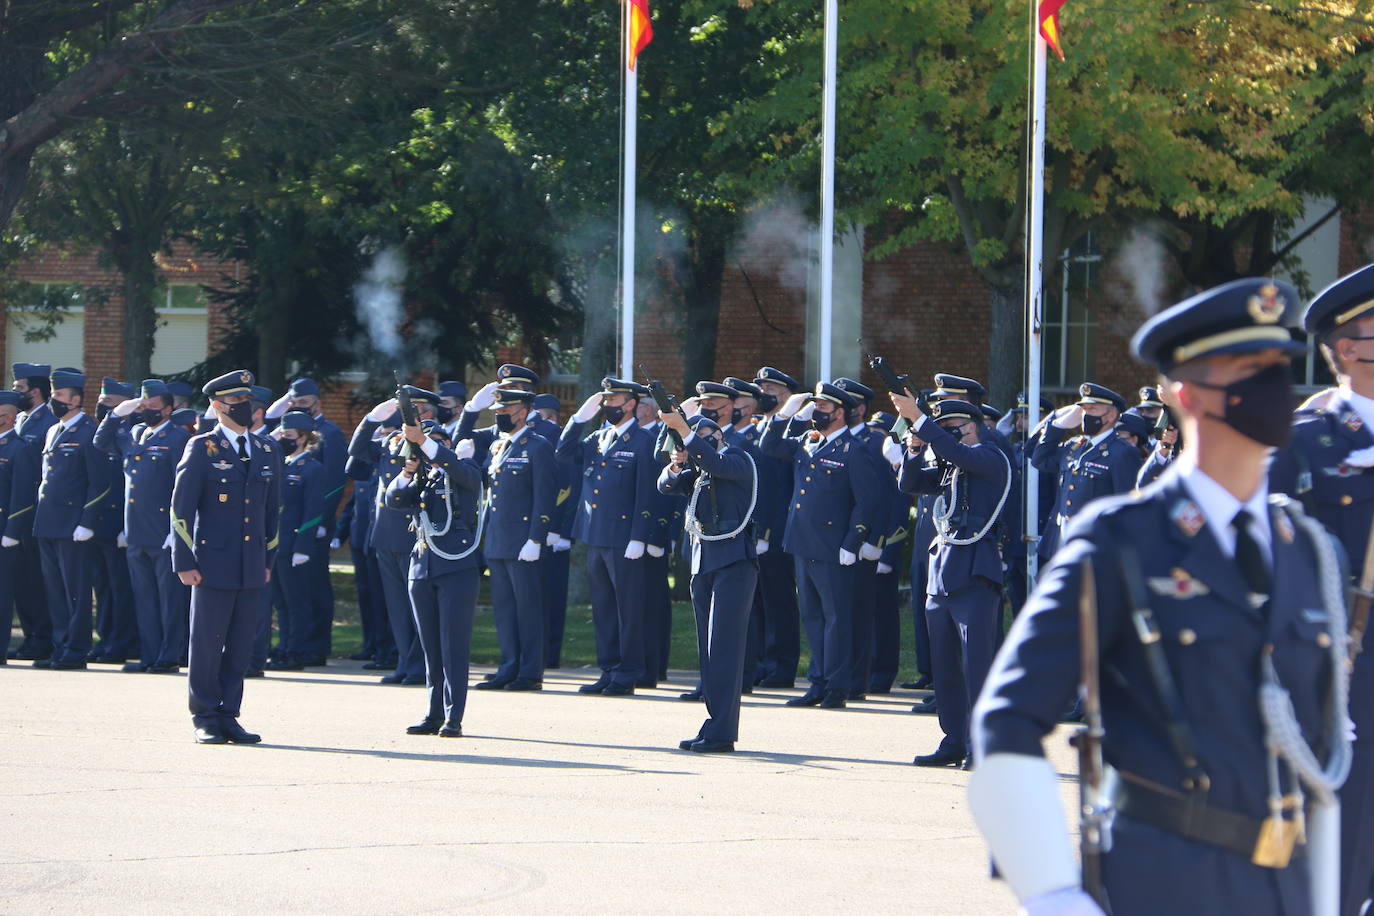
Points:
(1049, 24)
(641, 31)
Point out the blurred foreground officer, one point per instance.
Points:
(556, 561)
(13, 452)
(1221, 628)
(964, 577)
(115, 621)
(722, 481)
(1328, 466)
(302, 506)
(444, 575)
(224, 514)
(32, 384)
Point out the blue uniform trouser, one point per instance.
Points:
(887, 633)
(865, 596)
(8, 556)
(825, 591)
(317, 637)
(394, 567)
(444, 607)
(161, 605)
(617, 587)
(1357, 795)
(222, 625)
(377, 640)
(963, 640)
(517, 603)
(658, 618)
(296, 611)
(31, 596)
(555, 575)
(920, 567)
(262, 631)
(67, 566)
(781, 623)
(116, 620)
(722, 600)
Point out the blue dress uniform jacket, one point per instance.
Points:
(23, 471)
(1085, 472)
(76, 481)
(425, 491)
(34, 425)
(149, 473)
(731, 476)
(1212, 638)
(520, 506)
(620, 501)
(225, 517)
(12, 448)
(302, 505)
(775, 491)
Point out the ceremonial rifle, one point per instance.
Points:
(1091, 815)
(895, 384)
(408, 418)
(666, 403)
(1359, 611)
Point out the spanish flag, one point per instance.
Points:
(641, 31)
(1049, 24)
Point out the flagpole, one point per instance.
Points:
(1035, 287)
(832, 22)
(627, 216)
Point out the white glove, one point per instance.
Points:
(806, 411)
(760, 547)
(8, 541)
(869, 552)
(634, 550)
(82, 533)
(464, 449)
(121, 540)
(1014, 800)
(847, 558)
(883, 568)
(654, 552)
(553, 539)
(300, 559)
(562, 545)
(1068, 417)
(124, 408)
(335, 543)
(893, 452)
(167, 544)
(793, 404)
(588, 409)
(1071, 901)
(530, 552)
(383, 410)
(691, 407)
(320, 532)
(1361, 457)
(484, 398)
(278, 408)
(211, 415)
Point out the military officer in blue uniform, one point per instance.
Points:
(1327, 466)
(71, 499)
(116, 623)
(225, 504)
(556, 561)
(777, 588)
(32, 383)
(1220, 639)
(835, 497)
(445, 570)
(1081, 450)
(140, 432)
(616, 519)
(722, 482)
(453, 395)
(261, 399)
(885, 646)
(302, 507)
(14, 451)
(511, 377)
(964, 577)
(521, 479)
(355, 527)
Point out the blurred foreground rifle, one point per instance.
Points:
(1088, 741)
(895, 384)
(408, 418)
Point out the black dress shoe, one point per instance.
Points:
(940, 759)
(314, 661)
(163, 668)
(74, 664)
(646, 684)
(379, 666)
(392, 679)
(880, 689)
(209, 734)
(967, 765)
(361, 657)
(286, 664)
(424, 727)
(135, 667)
(810, 698)
(493, 684)
(705, 746)
(832, 700)
(112, 660)
(687, 744)
(921, 683)
(414, 680)
(236, 734)
(777, 682)
(857, 695)
(928, 706)
(692, 696)
(746, 690)
(596, 686)
(450, 729)
(619, 690)
(489, 677)
(525, 683)
(42, 663)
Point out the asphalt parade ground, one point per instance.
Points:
(553, 801)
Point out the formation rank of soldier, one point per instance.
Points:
(1198, 548)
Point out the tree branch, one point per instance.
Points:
(44, 27)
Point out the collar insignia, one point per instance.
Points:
(1266, 307)
(1188, 517)
(1353, 422)
(1178, 584)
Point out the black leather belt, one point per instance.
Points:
(1188, 816)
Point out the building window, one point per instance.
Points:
(1069, 333)
(1310, 371)
(182, 337)
(49, 328)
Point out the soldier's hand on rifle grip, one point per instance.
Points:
(414, 433)
(906, 406)
(679, 460)
(411, 467)
(673, 420)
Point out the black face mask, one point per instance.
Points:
(710, 413)
(102, 411)
(289, 445)
(1091, 425)
(59, 408)
(445, 415)
(767, 402)
(150, 418)
(820, 422)
(613, 415)
(1260, 406)
(242, 413)
(505, 422)
(297, 410)
(713, 442)
(735, 416)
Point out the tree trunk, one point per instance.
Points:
(701, 300)
(1006, 339)
(140, 314)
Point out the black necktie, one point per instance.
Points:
(243, 449)
(1249, 558)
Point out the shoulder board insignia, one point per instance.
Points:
(1188, 517)
(1178, 584)
(1353, 421)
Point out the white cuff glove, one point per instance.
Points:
(335, 543)
(464, 449)
(553, 538)
(883, 568)
(869, 552)
(654, 552)
(167, 544)
(588, 409)
(484, 398)
(1014, 799)
(893, 452)
(847, 558)
(8, 541)
(383, 410)
(793, 404)
(760, 547)
(121, 540)
(124, 408)
(211, 415)
(562, 545)
(1071, 901)
(806, 411)
(320, 532)
(278, 408)
(429, 448)
(82, 533)
(634, 550)
(530, 552)
(300, 559)
(1070, 418)
(1361, 457)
